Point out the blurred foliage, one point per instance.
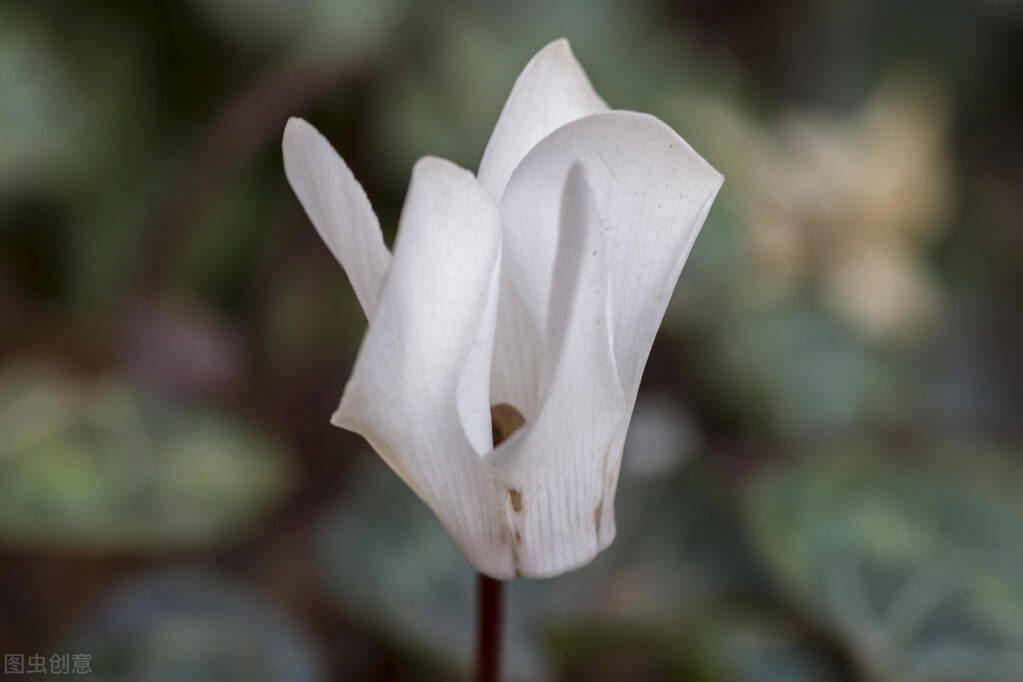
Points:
(196, 627)
(320, 29)
(822, 477)
(916, 562)
(102, 465)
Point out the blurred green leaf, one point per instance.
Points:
(917, 563)
(724, 645)
(101, 464)
(194, 627)
(760, 649)
(798, 369)
(36, 108)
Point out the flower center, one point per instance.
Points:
(504, 421)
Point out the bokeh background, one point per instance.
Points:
(823, 477)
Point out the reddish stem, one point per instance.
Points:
(489, 595)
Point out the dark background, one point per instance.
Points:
(823, 477)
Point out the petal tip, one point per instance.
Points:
(350, 413)
(437, 175)
(558, 45)
(341, 417)
(559, 50)
(299, 138)
(294, 128)
(436, 164)
(719, 178)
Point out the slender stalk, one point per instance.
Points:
(489, 601)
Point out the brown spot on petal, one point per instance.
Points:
(504, 421)
(516, 499)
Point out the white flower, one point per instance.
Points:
(538, 283)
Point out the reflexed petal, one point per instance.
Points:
(551, 91)
(653, 193)
(419, 390)
(337, 206)
(554, 466)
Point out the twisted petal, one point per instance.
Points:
(551, 91)
(652, 192)
(337, 205)
(420, 387)
(554, 466)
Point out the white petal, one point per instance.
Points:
(518, 352)
(551, 91)
(419, 390)
(554, 465)
(653, 193)
(337, 205)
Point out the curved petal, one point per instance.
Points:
(551, 91)
(653, 193)
(337, 206)
(553, 466)
(419, 390)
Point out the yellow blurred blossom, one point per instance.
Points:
(846, 204)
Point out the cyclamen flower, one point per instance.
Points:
(538, 283)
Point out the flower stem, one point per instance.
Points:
(489, 598)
